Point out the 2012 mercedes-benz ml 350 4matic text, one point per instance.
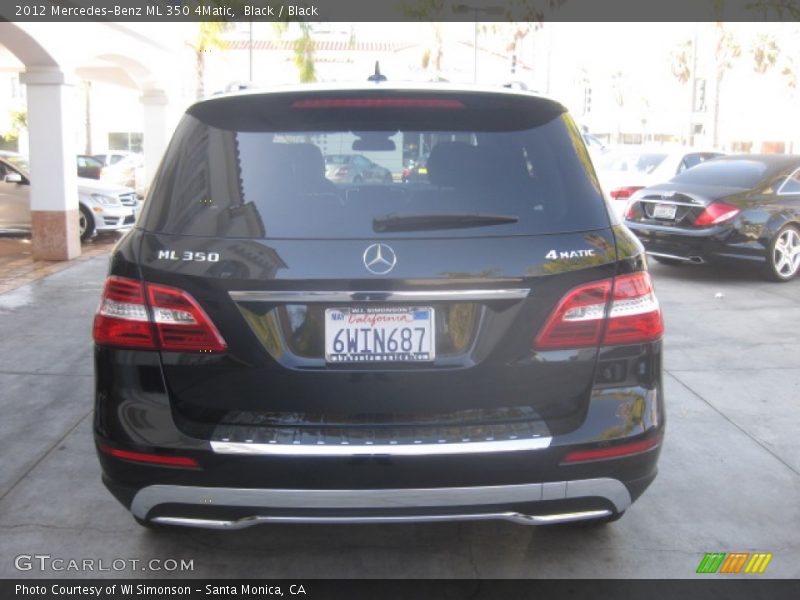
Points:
(481, 343)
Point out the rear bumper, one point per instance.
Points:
(713, 244)
(237, 508)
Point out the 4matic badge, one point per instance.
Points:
(554, 255)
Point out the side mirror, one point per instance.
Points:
(13, 178)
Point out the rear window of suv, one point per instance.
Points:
(254, 166)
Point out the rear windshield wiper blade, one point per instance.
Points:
(424, 222)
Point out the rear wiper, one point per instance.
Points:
(424, 222)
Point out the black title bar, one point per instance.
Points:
(399, 10)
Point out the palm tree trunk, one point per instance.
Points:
(715, 125)
(200, 73)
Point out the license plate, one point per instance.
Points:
(380, 334)
(423, 171)
(664, 211)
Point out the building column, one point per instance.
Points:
(54, 185)
(154, 105)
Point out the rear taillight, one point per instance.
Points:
(169, 319)
(635, 315)
(715, 213)
(625, 192)
(604, 312)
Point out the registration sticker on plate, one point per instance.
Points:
(379, 334)
(664, 211)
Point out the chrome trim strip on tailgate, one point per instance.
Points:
(378, 296)
(415, 449)
(149, 497)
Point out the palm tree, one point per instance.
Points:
(679, 61)
(304, 48)
(726, 50)
(209, 37)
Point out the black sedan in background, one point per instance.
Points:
(742, 208)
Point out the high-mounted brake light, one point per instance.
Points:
(604, 312)
(152, 459)
(377, 103)
(715, 213)
(134, 314)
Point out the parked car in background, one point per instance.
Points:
(625, 170)
(123, 168)
(743, 208)
(102, 206)
(597, 149)
(355, 168)
(416, 170)
(89, 167)
(486, 345)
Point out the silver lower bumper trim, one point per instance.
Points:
(514, 517)
(401, 498)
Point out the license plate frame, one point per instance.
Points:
(383, 342)
(665, 212)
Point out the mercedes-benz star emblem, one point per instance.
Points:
(379, 259)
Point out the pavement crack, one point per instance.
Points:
(470, 550)
(59, 527)
(732, 422)
(38, 461)
(37, 373)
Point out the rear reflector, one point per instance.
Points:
(624, 193)
(580, 318)
(715, 213)
(153, 459)
(169, 319)
(378, 103)
(612, 452)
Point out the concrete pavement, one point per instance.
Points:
(729, 473)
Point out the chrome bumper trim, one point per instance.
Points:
(514, 517)
(378, 296)
(415, 449)
(149, 497)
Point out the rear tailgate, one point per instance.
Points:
(508, 218)
(270, 313)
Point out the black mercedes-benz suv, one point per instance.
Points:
(481, 343)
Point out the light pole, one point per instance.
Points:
(250, 51)
(486, 10)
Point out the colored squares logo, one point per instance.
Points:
(734, 562)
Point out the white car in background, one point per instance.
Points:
(624, 171)
(122, 167)
(102, 206)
